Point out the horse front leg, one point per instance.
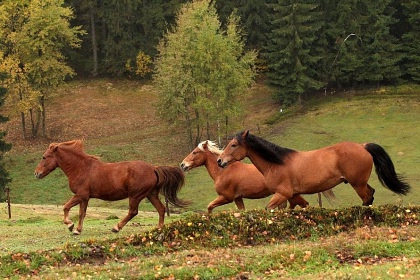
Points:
(276, 200)
(220, 200)
(70, 204)
(82, 214)
(132, 212)
(240, 203)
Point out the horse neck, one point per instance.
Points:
(71, 162)
(261, 164)
(211, 165)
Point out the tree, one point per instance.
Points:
(411, 39)
(202, 70)
(290, 49)
(34, 34)
(4, 147)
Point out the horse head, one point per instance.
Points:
(48, 162)
(235, 150)
(196, 158)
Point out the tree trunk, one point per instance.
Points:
(94, 42)
(197, 128)
(22, 116)
(42, 103)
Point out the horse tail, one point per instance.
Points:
(170, 181)
(385, 170)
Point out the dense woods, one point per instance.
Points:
(301, 47)
(335, 43)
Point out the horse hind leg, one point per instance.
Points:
(154, 199)
(132, 212)
(366, 193)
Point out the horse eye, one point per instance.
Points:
(234, 145)
(194, 153)
(43, 157)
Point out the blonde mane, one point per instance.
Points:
(211, 146)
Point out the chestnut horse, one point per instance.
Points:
(91, 178)
(289, 173)
(238, 181)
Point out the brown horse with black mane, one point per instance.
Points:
(91, 178)
(239, 180)
(289, 173)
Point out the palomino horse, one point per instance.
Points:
(239, 180)
(91, 178)
(289, 173)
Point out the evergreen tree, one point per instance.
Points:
(411, 39)
(381, 51)
(290, 49)
(4, 147)
(364, 50)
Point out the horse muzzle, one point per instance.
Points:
(184, 167)
(38, 175)
(222, 163)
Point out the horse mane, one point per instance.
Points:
(267, 150)
(211, 146)
(75, 145)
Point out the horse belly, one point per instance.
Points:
(315, 175)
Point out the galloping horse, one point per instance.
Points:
(91, 178)
(238, 181)
(289, 173)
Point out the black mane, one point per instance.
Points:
(267, 150)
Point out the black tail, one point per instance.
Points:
(170, 181)
(386, 171)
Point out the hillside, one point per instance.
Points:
(117, 120)
(121, 113)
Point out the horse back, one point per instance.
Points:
(119, 180)
(328, 166)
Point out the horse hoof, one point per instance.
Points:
(70, 227)
(115, 230)
(76, 232)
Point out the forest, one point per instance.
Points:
(303, 44)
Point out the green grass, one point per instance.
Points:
(191, 246)
(389, 117)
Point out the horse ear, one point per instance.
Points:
(205, 145)
(53, 147)
(245, 134)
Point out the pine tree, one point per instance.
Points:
(290, 49)
(411, 39)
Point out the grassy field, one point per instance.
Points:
(114, 118)
(390, 117)
(356, 243)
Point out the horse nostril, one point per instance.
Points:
(219, 161)
(182, 165)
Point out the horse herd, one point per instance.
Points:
(281, 172)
